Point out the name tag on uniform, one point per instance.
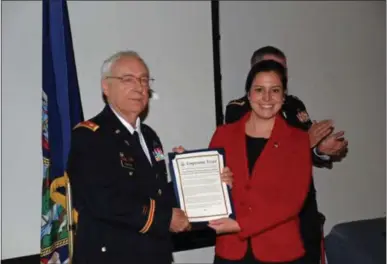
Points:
(158, 154)
(126, 162)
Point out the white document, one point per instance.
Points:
(201, 193)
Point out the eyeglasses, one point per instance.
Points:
(131, 80)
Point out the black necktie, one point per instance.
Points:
(137, 142)
(136, 138)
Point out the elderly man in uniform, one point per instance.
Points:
(324, 144)
(118, 174)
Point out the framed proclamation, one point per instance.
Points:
(198, 187)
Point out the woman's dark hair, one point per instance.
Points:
(267, 66)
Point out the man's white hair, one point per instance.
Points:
(109, 62)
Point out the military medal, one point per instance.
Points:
(158, 154)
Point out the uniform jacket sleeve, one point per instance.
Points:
(99, 194)
(293, 105)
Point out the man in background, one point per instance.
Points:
(325, 145)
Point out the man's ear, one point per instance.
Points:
(105, 87)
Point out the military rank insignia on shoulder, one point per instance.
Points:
(294, 97)
(237, 102)
(88, 124)
(303, 116)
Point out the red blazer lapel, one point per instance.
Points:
(272, 157)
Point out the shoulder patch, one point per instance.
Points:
(237, 102)
(88, 124)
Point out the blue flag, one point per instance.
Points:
(62, 110)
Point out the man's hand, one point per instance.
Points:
(224, 225)
(333, 145)
(179, 149)
(226, 176)
(179, 222)
(318, 131)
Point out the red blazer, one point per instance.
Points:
(267, 204)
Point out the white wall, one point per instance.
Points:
(336, 58)
(336, 55)
(21, 134)
(175, 40)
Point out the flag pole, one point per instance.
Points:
(70, 225)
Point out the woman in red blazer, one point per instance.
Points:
(272, 168)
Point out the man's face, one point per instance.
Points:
(127, 88)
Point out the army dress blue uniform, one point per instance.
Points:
(310, 219)
(121, 193)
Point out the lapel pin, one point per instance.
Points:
(117, 131)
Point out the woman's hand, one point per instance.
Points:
(224, 225)
(227, 176)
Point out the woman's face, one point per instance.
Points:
(266, 95)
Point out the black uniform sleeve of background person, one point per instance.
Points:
(291, 108)
(97, 193)
(236, 109)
